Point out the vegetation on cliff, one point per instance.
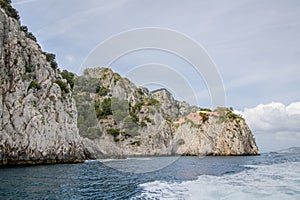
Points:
(134, 121)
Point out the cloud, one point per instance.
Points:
(274, 117)
(274, 125)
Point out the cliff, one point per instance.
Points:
(119, 119)
(38, 117)
(46, 118)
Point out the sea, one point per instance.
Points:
(268, 176)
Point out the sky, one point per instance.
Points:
(253, 44)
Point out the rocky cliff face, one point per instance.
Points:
(38, 118)
(38, 115)
(131, 121)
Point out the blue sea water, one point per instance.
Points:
(269, 176)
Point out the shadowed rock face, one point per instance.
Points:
(137, 122)
(38, 117)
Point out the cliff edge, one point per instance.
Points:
(38, 118)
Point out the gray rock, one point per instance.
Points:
(38, 121)
(154, 123)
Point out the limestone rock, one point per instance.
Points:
(131, 121)
(38, 119)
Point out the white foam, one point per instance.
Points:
(280, 181)
(90, 161)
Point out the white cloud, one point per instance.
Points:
(273, 117)
(275, 125)
(294, 109)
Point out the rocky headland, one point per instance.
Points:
(118, 119)
(53, 116)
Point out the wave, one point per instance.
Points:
(90, 161)
(278, 181)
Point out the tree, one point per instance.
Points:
(24, 29)
(50, 57)
(106, 106)
(69, 76)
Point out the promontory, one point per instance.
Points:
(53, 116)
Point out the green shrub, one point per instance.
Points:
(24, 29)
(134, 117)
(63, 86)
(10, 11)
(204, 117)
(28, 34)
(69, 76)
(148, 119)
(117, 77)
(28, 69)
(232, 116)
(53, 65)
(113, 132)
(102, 91)
(31, 36)
(143, 124)
(140, 91)
(153, 102)
(105, 108)
(138, 106)
(50, 57)
(34, 85)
